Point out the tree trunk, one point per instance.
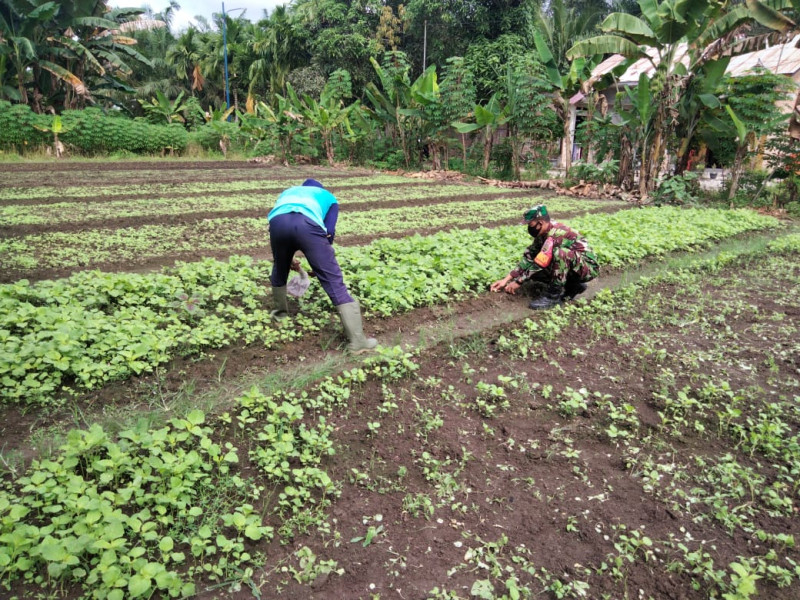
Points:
(741, 152)
(464, 149)
(328, 148)
(23, 93)
(643, 172)
(625, 173)
(487, 149)
(433, 152)
(653, 163)
(566, 143)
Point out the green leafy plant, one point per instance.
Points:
(677, 190)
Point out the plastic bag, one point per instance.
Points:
(299, 284)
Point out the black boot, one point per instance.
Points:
(550, 297)
(574, 288)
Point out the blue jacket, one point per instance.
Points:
(317, 204)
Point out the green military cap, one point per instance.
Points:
(540, 210)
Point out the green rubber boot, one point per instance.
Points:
(281, 304)
(350, 313)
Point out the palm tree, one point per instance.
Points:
(278, 50)
(184, 57)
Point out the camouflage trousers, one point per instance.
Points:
(580, 265)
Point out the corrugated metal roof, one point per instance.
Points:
(781, 58)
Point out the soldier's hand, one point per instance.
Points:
(512, 287)
(295, 266)
(500, 284)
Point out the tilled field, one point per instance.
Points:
(639, 443)
(150, 215)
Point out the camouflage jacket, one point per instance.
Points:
(554, 253)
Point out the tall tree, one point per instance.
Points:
(560, 24)
(527, 96)
(279, 48)
(341, 35)
(566, 82)
(57, 53)
(399, 103)
(440, 29)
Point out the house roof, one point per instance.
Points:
(783, 59)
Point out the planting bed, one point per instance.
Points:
(642, 443)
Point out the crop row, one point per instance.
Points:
(160, 189)
(136, 244)
(93, 176)
(94, 327)
(79, 212)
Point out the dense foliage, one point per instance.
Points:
(91, 131)
(391, 84)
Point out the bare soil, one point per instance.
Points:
(528, 491)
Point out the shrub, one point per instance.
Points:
(91, 131)
(212, 133)
(18, 127)
(94, 132)
(680, 189)
(605, 172)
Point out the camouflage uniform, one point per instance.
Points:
(554, 257)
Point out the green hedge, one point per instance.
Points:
(18, 127)
(90, 131)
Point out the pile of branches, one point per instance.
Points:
(582, 189)
(441, 175)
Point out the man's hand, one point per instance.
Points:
(512, 287)
(500, 284)
(295, 265)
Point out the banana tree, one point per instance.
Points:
(566, 85)
(699, 99)
(278, 124)
(325, 116)
(399, 103)
(23, 31)
(677, 37)
(61, 51)
(162, 108)
(55, 129)
(488, 118)
(637, 120)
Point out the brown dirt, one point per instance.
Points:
(525, 502)
(521, 501)
(416, 554)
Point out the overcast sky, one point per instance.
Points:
(191, 8)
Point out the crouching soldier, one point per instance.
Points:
(558, 256)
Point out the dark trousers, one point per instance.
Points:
(292, 232)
